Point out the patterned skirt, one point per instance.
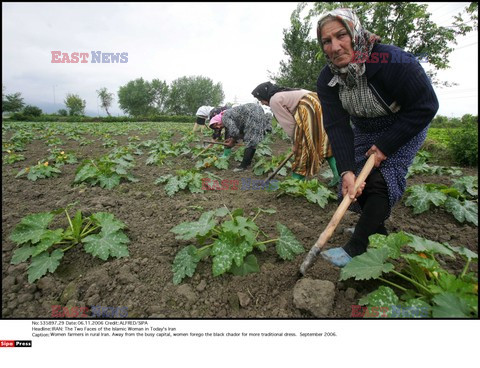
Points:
(311, 141)
(394, 169)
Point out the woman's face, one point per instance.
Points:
(217, 125)
(337, 43)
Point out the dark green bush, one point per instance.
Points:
(32, 111)
(463, 144)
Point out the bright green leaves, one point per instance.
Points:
(41, 170)
(32, 228)
(413, 259)
(369, 265)
(191, 179)
(185, 263)
(462, 210)
(287, 245)
(233, 242)
(265, 165)
(448, 305)
(200, 228)
(101, 234)
(43, 263)
(459, 200)
(312, 190)
(423, 196)
(107, 171)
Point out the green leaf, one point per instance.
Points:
(107, 222)
(462, 210)
(185, 263)
(384, 298)
(287, 245)
(241, 226)
(421, 197)
(173, 186)
(417, 308)
(369, 265)
(237, 212)
(49, 238)
(44, 263)
(464, 252)
(250, 265)
(226, 249)
(428, 246)
(22, 254)
(77, 224)
(32, 228)
(109, 181)
(467, 184)
(393, 242)
(189, 230)
(448, 305)
(103, 245)
(428, 263)
(221, 212)
(85, 172)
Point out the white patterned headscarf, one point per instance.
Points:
(362, 43)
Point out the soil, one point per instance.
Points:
(143, 283)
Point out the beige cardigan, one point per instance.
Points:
(283, 105)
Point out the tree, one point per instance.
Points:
(406, 25)
(32, 111)
(106, 99)
(161, 90)
(62, 112)
(187, 94)
(136, 98)
(13, 102)
(75, 105)
(303, 66)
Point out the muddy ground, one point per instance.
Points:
(142, 282)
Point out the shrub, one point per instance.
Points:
(32, 111)
(463, 144)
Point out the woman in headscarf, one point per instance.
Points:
(247, 122)
(299, 113)
(202, 116)
(376, 99)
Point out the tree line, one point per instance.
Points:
(137, 98)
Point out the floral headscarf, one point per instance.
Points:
(362, 42)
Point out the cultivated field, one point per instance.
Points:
(234, 267)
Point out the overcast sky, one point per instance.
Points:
(235, 44)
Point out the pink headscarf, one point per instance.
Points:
(216, 119)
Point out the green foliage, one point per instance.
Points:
(59, 157)
(106, 99)
(75, 105)
(33, 111)
(100, 233)
(459, 200)
(12, 157)
(463, 144)
(106, 171)
(136, 98)
(265, 165)
(41, 170)
(312, 190)
(220, 163)
(434, 291)
(187, 94)
(233, 242)
(406, 25)
(185, 179)
(12, 103)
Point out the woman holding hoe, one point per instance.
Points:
(383, 106)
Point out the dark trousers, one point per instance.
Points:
(375, 205)
(247, 157)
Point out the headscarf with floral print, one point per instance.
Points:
(362, 43)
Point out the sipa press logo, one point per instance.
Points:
(96, 57)
(15, 343)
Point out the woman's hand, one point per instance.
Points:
(379, 156)
(229, 142)
(348, 186)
